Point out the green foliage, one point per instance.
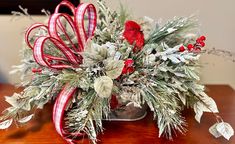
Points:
(173, 27)
(166, 110)
(123, 14)
(164, 78)
(87, 114)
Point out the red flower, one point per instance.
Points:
(128, 68)
(134, 35)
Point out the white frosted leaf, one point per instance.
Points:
(40, 106)
(178, 74)
(12, 101)
(225, 129)
(164, 57)
(114, 68)
(210, 103)
(6, 124)
(198, 108)
(170, 30)
(174, 59)
(161, 68)
(181, 58)
(183, 99)
(214, 131)
(27, 106)
(103, 86)
(150, 59)
(26, 119)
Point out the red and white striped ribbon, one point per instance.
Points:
(79, 22)
(71, 57)
(58, 111)
(54, 29)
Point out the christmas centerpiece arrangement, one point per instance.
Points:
(94, 62)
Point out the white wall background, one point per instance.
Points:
(218, 24)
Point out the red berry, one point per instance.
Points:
(190, 47)
(198, 41)
(202, 44)
(203, 38)
(182, 49)
(34, 70)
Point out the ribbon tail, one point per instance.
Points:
(59, 109)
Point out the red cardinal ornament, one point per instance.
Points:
(134, 35)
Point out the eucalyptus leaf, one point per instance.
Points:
(26, 119)
(103, 86)
(214, 132)
(198, 111)
(179, 74)
(225, 130)
(208, 105)
(12, 100)
(113, 68)
(27, 106)
(183, 99)
(6, 124)
(163, 69)
(95, 53)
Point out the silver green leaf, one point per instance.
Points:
(94, 53)
(207, 105)
(113, 68)
(26, 119)
(6, 124)
(222, 129)
(103, 86)
(225, 130)
(214, 131)
(13, 100)
(173, 59)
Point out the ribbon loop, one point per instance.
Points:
(29, 38)
(79, 21)
(49, 60)
(58, 110)
(68, 34)
(68, 37)
(66, 4)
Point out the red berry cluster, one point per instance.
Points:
(200, 42)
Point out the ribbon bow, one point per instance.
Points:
(71, 29)
(63, 25)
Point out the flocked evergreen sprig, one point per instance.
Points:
(140, 63)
